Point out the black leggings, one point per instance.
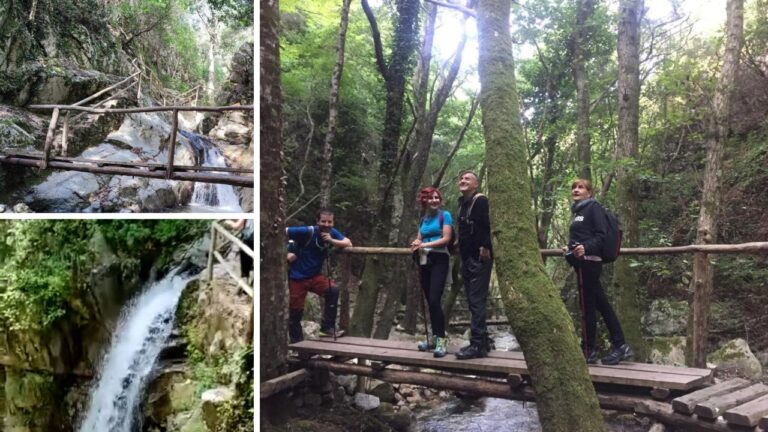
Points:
(433, 275)
(593, 300)
(246, 261)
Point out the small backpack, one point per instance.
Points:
(613, 237)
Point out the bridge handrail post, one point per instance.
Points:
(49, 139)
(211, 251)
(172, 143)
(64, 133)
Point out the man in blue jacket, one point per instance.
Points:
(311, 246)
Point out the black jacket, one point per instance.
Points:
(588, 226)
(476, 231)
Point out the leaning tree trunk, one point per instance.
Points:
(710, 195)
(626, 286)
(333, 108)
(272, 289)
(416, 157)
(579, 60)
(565, 397)
(377, 276)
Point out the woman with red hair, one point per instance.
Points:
(432, 245)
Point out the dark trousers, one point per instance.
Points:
(433, 275)
(593, 300)
(477, 277)
(246, 261)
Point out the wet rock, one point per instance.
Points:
(735, 358)
(234, 127)
(214, 401)
(3, 208)
(366, 402)
(348, 382)
(21, 208)
(666, 318)
(63, 191)
(384, 391)
(339, 394)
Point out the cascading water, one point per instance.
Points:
(219, 196)
(144, 326)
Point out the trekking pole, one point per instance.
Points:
(422, 300)
(580, 283)
(328, 276)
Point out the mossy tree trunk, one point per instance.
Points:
(395, 72)
(272, 289)
(626, 286)
(717, 134)
(565, 398)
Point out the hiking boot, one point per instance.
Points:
(329, 333)
(592, 357)
(428, 344)
(440, 343)
(616, 355)
(472, 351)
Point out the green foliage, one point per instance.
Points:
(44, 263)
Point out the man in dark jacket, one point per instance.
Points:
(476, 261)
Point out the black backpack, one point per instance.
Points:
(613, 236)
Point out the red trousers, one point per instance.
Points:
(298, 289)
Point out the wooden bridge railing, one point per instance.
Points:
(699, 332)
(214, 255)
(105, 167)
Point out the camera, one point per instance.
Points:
(571, 246)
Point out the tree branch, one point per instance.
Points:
(376, 40)
(444, 168)
(462, 9)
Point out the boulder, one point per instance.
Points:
(348, 382)
(384, 391)
(668, 350)
(666, 318)
(214, 402)
(735, 358)
(366, 402)
(63, 192)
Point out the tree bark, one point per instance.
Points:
(272, 289)
(717, 135)
(333, 108)
(415, 159)
(579, 59)
(626, 286)
(395, 73)
(565, 397)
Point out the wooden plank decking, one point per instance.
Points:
(502, 363)
(740, 404)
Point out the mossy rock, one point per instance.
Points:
(668, 350)
(666, 318)
(736, 358)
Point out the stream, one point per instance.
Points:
(211, 196)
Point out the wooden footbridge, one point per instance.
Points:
(44, 160)
(679, 396)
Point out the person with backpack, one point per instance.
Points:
(476, 253)
(590, 231)
(431, 250)
(311, 245)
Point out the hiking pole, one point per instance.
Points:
(328, 276)
(422, 300)
(582, 309)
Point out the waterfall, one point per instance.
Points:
(145, 324)
(218, 196)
